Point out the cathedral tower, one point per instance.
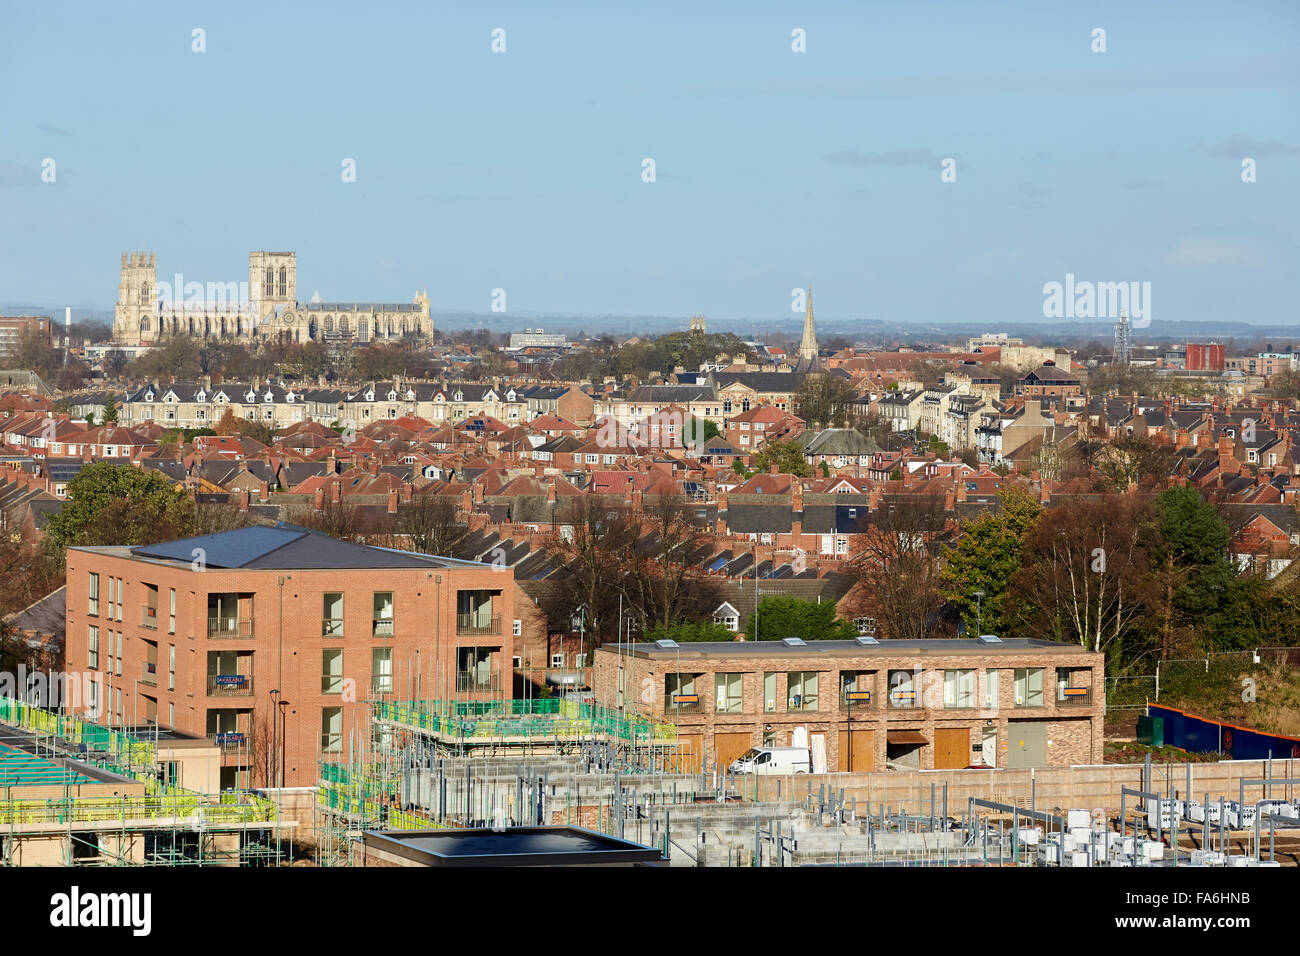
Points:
(272, 282)
(135, 313)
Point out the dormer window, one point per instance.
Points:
(268, 397)
(392, 395)
(251, 396)
(459, 396)
(410, 394)
(201, 396)
(370, 396)
(148, 396)
(288, 397)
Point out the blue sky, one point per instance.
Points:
(775, 169)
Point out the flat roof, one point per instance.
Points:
(946, 647)
(510, 846)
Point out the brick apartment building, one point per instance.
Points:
(211, 635)
(937, 704)
(14, 327)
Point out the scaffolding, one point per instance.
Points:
(166, 825)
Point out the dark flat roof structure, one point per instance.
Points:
(511, 846)
(942, 647)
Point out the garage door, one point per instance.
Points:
(951, 748)
(1026, 744)
(857, 750)
(687, 758)
(727, 747)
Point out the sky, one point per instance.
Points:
(524, 170)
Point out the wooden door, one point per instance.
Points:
(951, 748)
(727, 747)
(857, 749)
(687, 758)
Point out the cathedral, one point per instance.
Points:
(267, 309)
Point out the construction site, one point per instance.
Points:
(76, 793)
(434, 765)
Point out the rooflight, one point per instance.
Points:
(665, 643)
(989, 639)
(865, 640)
(794, 642)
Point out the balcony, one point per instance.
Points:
(149, 673)
(230, 628)
(230, 741)
(684, 704)
(474, 624)
(149, 618)
(230, 685)
(469, 682)
(331, 627)
(904, 699)
(1074, 697)
(383, 627)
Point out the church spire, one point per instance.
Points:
(808, 346)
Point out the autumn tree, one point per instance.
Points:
(1083, 576)
(787, 455)
(898, 567)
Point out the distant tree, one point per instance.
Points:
(430, 523)
(786, 455)
(690, 631)
(780, 617)
(824, 400)
(120, 505)
(897, 564)
(109, 415)
(985, 559)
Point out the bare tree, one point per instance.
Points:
(593, 544)
(663, 586)
(429, 523)
(1083, 576)
(898, 566)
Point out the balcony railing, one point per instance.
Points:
(684, 704)
(230, 685)
(384, 627)
(230, 741)
(149, 673)
(471, 683)
(475, 624)
(1074, 697)
(230, 628)
(149, 618)
(331, 627)
(904, 700)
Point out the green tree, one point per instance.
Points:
(109, 415)
(120, 505)
(1188, 554)
(782, 617)
(985, 559)
(786, 455)
(690, 631)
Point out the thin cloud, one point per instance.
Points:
(892, 157)
(52, 130)
(1237, 147)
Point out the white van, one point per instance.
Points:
(774, 760)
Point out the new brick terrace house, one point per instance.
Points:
(860, 705)
(213, 635)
